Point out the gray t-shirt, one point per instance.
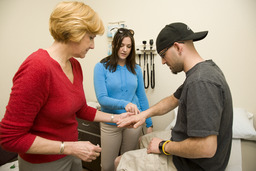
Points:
(205, 108)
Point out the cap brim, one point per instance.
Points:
(197, 36)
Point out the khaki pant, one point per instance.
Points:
(68, 163)
(115, 140)
(139, 160)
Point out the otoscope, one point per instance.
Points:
(144, 70)
(152, 64)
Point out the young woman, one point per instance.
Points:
(119, 88)
(47, 96)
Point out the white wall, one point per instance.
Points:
(230, 42)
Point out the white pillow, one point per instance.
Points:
(172, 124)
(243, 125)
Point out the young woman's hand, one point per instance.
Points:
(149, 129)
(132, 108)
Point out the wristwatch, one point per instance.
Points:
(161, 146)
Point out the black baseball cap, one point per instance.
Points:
(176, 32)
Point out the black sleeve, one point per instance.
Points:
(178, 92)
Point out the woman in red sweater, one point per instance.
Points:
(47, 96)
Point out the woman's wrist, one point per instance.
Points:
(62, 148)
(112, 117)
(68, 147)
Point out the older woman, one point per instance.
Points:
(47, 96)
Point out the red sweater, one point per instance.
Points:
(43, 102)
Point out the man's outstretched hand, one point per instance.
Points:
(133, 121)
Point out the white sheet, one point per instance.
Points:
(235, 161)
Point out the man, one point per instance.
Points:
(201, 138)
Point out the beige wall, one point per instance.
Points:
(230, 42)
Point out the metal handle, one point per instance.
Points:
(84, 124)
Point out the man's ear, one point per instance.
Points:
(178, 47)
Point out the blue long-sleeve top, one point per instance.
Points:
(114, 90)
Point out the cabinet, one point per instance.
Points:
(90, 131)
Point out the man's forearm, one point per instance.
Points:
(194, 147)
(164, 106)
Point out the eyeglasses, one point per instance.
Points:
(163, 52)
(123, 30)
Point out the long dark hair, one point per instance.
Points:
(111, 61)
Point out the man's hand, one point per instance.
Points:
(133, 121)
(122, 116)
(153, 146)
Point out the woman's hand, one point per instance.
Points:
(84, 150)
(149, 129)
(132, 108)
